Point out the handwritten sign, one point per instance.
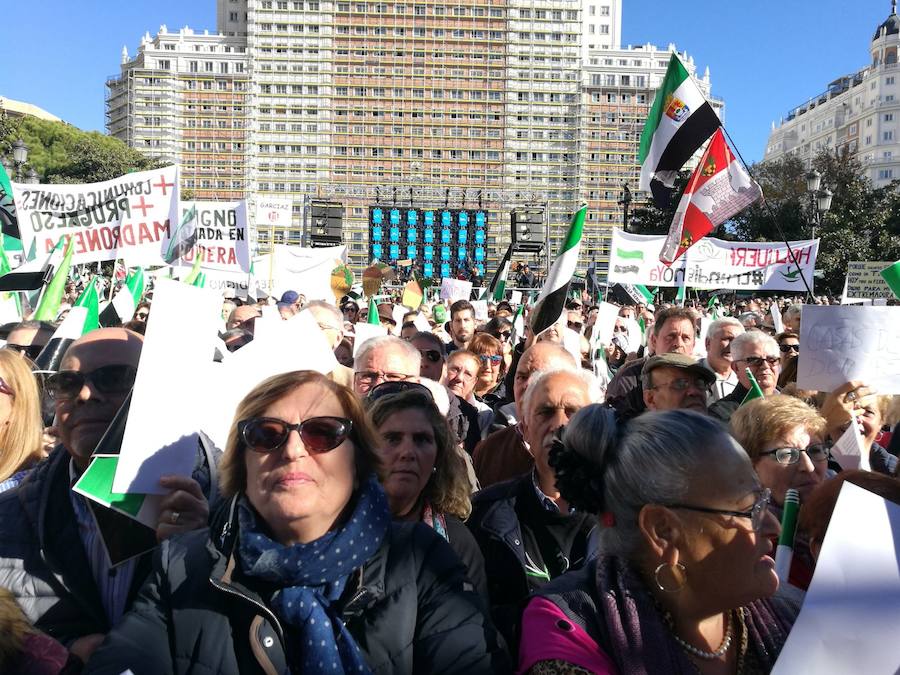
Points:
(455, 289)
(864, 281)
(843, 343)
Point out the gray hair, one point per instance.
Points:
(742, 344)
(410, 353)
(793, 311)
(326, 307)
(718, 325)
(594, 390)
(651, 460)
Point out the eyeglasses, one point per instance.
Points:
(371, 376)
(789, 348)
(817, 453)
(492, 358)
(319, 434)
(683, 383)
(6, 389)
(574, 325)
(620, 329)
(142, 316)
(432, 355)
(31, 351)
(757, 361)
(504, 335)
(756, 514)
(391, 388)
(112, 379)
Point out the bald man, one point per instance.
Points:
(52, 555)
(504, 453)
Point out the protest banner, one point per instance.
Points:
(455, 289)
(712, 264)
(864, 281)
(296, 268)
(839, 343)
(220, 233)
(849, 620)
(129, 217)
(273, 212)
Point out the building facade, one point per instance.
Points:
(857, 115)
(497, 104)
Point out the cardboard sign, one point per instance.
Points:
(864, 281)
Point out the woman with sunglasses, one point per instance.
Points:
(424, 475)
(785, 439)
(684, 580)
(303, 571)
(21, 429)
(489, 387)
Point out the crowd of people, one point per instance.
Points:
(459, 495)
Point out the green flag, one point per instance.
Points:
(891, 276)
(200, 281)
(8, 297)
(48, 307)
(755, 391)
(195, 268)
(552, 300)
(90, 300)
(373, 313)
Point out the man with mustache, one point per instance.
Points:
(525, 529)
(52, 551)
(718, 356)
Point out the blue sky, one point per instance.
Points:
(765, 57)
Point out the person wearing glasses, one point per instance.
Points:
(303, 570)
(676, 382)
(30, 337)
(424, 475)
(489, 386)
(685, 576)
(785, 440)
(52, 551)
(142, 313)
(501, 328)
(434, 356)
(21, 428)
(385, 358)
(758, 352)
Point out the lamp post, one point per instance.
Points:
(819, 199)
(625, 202)
(15, 165)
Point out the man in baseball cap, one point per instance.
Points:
(673, 381)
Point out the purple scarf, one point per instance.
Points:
(635, 636)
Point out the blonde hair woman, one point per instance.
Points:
(21, 427)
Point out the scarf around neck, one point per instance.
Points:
(312, 576)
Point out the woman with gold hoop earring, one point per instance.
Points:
(683, 578)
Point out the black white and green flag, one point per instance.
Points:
(497, 289)
(680, 121)
(552, 300)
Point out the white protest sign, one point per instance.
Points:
(422, 323)
(864, 281)
(572, 343)
(851, 613)
(273, 212)
(130, 217)
(605, 323)
(364, 331)
(712, 263)
(161, 432)
(295, 268)
(481, 310)
(849, 452)
(220, 230)
(776, 318)
(840, 343)
(397, 313)
(455, 289)
(515, 298)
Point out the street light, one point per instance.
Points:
(819, 200)
(15, 166)
(20, 152)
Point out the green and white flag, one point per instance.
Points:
(680, 121)
(497, 288)
(10, 303)
(82, 318)
(122, 308)
(48, 306)
(552, 300)
(755, 390)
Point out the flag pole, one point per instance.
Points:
(772, 216)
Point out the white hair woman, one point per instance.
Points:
(685, 571)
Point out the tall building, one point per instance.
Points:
(857, 114)
(184, 97)
(495, 104)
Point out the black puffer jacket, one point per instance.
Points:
(409, 608)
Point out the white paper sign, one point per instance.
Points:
(422, 323)
(295, 268)
(843, 343)
(161, 432)
(455, 289)
(864, 281)
(605, 324)
(481, 310)
(515, 298)
(776, 318)
(849, 452)
(851, 614)
(363, 332)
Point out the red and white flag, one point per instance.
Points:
(718, 189)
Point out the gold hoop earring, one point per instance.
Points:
(680, 577)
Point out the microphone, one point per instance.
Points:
(784, 554)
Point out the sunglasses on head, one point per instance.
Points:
(319, 434)
(397, 387)
(113, 379)
(31, 351)
(432, 355)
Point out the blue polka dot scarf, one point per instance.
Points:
(313, 576)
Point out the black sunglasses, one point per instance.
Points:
(31, 351)
(319, 434)
(397, 387)
(432, 355)
(112, 379)
(789, 348)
